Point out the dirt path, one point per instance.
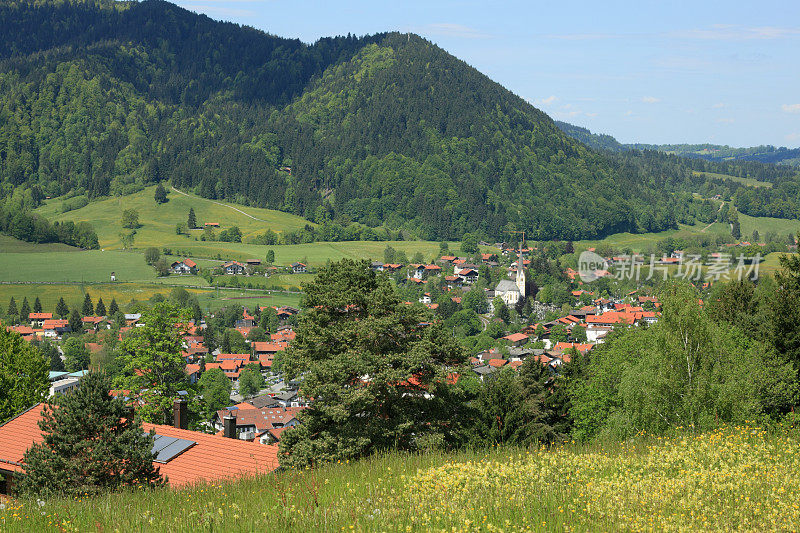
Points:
(220, 203)
(704, 229)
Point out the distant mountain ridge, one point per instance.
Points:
(102, 98)
(710, 152)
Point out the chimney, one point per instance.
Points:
(180, 418)
(229, 426)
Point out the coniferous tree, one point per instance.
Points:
(12, 310)
(100, 308)
(91, 445)
(88, 307)
(356, 325)
(62, 309)
(75, 322)
(192, 220)
(37, 305)
(24, 310)
(160, 195)
(113, 308)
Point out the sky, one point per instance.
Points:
(721, 72)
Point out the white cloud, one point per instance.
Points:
(547, 101)
(628, 113)
(451, 29)
(718, 105)
(591, 115)
(792, 137)
(725, 121)
(791, 108)
(650, 99)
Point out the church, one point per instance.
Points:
(512, 291)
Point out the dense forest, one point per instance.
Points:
(101, 98)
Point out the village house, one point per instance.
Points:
(298, 268)
(252, 424)
(37, 319)
(184, 266)
(233, 268)
(183, 457)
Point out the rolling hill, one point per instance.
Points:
(102, 99)
(708, 152)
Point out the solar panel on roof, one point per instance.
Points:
(167, 448)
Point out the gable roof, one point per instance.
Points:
(212, 458)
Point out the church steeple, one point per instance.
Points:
(521, 273)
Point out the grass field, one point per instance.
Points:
(10, 245)
(733, 479)
(84, 266)
(746, 181)
(158, 221)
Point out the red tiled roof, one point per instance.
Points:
(191, 369)
(497, 363)
(516, 337)
(189, 263)
(53, 324)
(40, 316)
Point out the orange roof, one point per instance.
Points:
(516, 337)
(40, 316)
(497, 363)
(189, 263)
(515, 364)
(268, 347)
(191, 369)
(52, 324)
(212, 458)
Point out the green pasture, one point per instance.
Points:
(12, 245)
(746, 181)
(158, 221)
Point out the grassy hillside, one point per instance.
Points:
(12, 245)
(158, 220)
(745, 181)
(732, 479)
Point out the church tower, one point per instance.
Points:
(521, 273)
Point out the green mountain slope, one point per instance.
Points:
(104, 98)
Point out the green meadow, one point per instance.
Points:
(746, 181)
(732, 479)
(158, 221)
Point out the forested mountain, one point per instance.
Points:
(101, 98)
(709, 152)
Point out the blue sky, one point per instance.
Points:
(648, 71)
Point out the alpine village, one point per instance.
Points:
(252, 283)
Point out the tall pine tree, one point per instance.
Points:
(91, 445)
(192, 220)
(37, 305)
(12, 308)
(88, 307)
(113, 308)
(100, 308)
(24, 310)
(62, 309)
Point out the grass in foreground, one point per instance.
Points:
(731, 479)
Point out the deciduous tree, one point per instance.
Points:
(23, 375)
